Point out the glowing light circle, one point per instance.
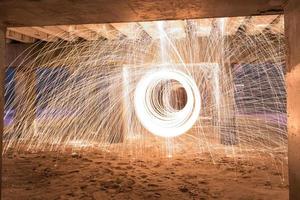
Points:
(166, 122)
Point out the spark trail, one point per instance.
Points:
(206, 90)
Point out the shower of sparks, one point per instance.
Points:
(201, 89)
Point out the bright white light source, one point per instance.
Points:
(164, 121)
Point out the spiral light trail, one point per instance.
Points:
(163, 120)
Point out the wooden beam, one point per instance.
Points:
(55, 32)
(80, 31)
(232, 24)
(278, 25)
(151, 28)
(54, 12)
(34, 34)
(2, 90)
(292, 27)
(19, 37)
(202, 26)
(25, 99)
(105, 30)
(258, 23)
(173, 28)
(130, 30)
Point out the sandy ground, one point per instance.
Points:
(98, 175)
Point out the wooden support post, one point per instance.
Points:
(2, 86)
(25, 105)
(117, 106)
(292, 30)
(227, 111)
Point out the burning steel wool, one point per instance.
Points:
(204, 90)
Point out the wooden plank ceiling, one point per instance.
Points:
(176, 28)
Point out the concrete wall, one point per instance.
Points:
(292, 23)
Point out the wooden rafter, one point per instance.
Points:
(277, 26)
(55, 32)
(131, 30)
(105, 30)
(19, 37)
(151, 28)
(202, 26)
(232, 24)
(175, 28)
(31, 32)
(258, 23)
(80, 31)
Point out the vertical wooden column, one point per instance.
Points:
(227, 111)
(292, 31)
(2, 86)
(118, 127)
(25, 105)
